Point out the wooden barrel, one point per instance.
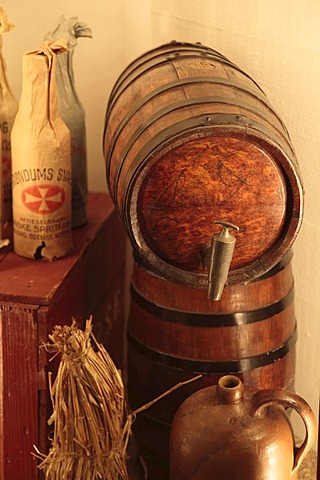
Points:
(190, 138)
(175, 333)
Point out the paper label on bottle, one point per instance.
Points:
(41, 165)
(42, 214)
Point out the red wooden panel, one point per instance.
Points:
(108, 321)
(102, 261)
(19, 396)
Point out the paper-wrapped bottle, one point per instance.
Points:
(8, 110)
(41, 162)
(72, 112)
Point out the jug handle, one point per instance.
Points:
(265, 398)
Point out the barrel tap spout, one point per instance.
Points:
(218, 258)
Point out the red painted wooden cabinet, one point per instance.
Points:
(35, 296)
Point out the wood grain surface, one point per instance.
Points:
(189, 139)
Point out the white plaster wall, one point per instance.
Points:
(276, 42)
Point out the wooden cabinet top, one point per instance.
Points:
(31, 281)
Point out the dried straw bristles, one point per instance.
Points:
(91, 422)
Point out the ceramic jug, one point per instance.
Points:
(230, 431)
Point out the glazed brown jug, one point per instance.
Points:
(229, 431)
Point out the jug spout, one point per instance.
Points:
(230, 389)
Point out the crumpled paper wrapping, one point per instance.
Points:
(41, 162)
(72, 112)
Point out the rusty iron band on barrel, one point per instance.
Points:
(211, 119)
(182, 105)
(191, 81)
(168, 133)
(165, 49)
(186, 126)
(181, 82)
(212, 367)
(124, 81)
(128, 79)
(172, 47)
(169, 48)
(284, 262)
(211, 319)
(169, 54)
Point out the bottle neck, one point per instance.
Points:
(39, 100)
(68, 97)
(5, 91)
(230, 389)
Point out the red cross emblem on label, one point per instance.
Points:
(43, 198)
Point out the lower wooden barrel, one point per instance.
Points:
(176, 333)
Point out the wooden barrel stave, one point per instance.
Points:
(227, 343)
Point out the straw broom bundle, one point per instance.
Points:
(91, 424)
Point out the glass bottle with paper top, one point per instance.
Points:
(72, 112)
(41, 162)
(8, 110)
